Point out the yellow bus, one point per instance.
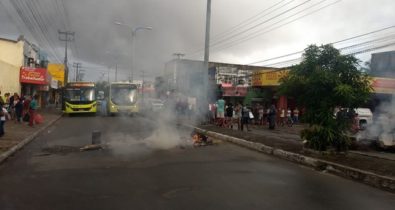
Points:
(123, 98)
(79, 97)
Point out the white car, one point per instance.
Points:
(153, 104)
(365, 117)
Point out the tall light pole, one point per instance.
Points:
(134, 31)
(206, 92)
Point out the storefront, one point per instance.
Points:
(35, 81)
(233, 94)
(269, 81)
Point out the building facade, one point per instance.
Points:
(11, 60)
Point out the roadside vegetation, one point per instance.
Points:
(324, 80)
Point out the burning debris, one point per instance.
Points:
(200, 139)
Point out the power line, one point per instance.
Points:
(354, 52)
(256, 34)
(256, 25)
(336, 42)
(33, 25)
(250, 19)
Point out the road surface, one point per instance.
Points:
(139, 171)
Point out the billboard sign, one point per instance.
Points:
(383, 85)
(57, 72)
(31, 75)
(268, 78)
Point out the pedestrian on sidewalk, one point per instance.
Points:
(25, 107)
(237, 115)
(103, 107)
(11, 109)
(272, 117)
(289, 117)
(2, 101)
(32, 110)
(245, 117)
(18, 106)
(3, 118)
(282, 117)
(261, 111)
(296, 115)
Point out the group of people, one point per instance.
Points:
(17, 108)
(226, 115)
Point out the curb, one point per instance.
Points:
(369, 178)
(25, 141)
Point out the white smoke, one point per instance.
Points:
(165, 136)
(383, 126)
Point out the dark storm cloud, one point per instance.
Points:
(178, 26)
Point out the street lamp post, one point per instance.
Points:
(134, 31)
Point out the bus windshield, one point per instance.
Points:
(123, 95)
(82, 94)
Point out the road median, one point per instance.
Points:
(376, 180)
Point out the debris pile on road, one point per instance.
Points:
(200, 139)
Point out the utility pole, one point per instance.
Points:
(77, 66)
(66, 36)
(108, 75)
(206, 93)
(116, 72)
(142, 86)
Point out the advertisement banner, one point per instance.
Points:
(57, 72)
(32, 75)
(268, 78)
(383, 85)
(235, 91)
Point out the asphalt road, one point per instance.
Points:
(141, 169)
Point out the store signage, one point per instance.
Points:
(383, 85)
(235, 91)
(57, 72)
(268, 78)
(32, 75)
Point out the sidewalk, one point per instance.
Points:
(17, 132)
(288, 139)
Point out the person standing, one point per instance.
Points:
(3, 114)
(103, 107)
(25, 106)
(2, 101)
(32, 110)
(229, 115)
(289, 117)
(237, 115)
(296, 115)
(221, 108)
(18, 105)
(282, 117)
(272, 117)
(245, 118)
(261, 112)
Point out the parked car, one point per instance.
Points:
(365, 116)
(153, 105)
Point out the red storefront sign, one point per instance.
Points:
(234, 91)
(36, 76)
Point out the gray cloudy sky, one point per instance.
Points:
(178, 26)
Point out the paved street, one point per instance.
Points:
(135, 172)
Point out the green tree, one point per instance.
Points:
(324, 80)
